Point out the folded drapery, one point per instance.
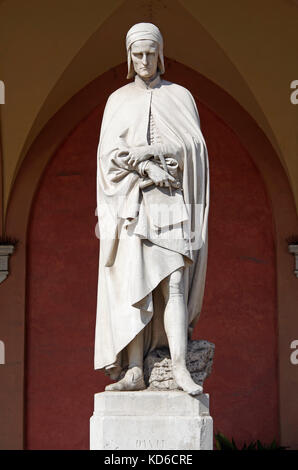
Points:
(133, 261)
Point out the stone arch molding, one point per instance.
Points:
(2, 352)
(92, 58)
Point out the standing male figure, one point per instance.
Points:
(153, 202)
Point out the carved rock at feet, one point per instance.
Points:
(158, 365)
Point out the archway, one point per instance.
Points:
(239, 312)
(29, 178)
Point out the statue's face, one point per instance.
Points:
(144, 55)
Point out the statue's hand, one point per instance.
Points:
(138, 154)
(159, 176)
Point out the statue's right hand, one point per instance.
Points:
(159, 176)
(138, 154)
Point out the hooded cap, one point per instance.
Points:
(144, 31)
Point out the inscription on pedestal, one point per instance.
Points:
(150, 444)
(149, 421)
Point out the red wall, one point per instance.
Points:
(239, 312)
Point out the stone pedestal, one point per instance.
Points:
(151, 420)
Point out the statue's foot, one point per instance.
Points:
(132, 381)
(184, 381)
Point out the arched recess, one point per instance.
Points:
(251, 138)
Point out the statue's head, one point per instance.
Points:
(144, 45)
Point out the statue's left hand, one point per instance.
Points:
(137, 155)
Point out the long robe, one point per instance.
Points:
(134, 260)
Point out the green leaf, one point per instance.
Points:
(223, 443)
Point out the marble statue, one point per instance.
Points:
(153, 202)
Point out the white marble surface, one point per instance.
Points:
(158, 365)
(147, 420)
(153, 204)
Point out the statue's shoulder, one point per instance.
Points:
(178, 90)
(120, 92)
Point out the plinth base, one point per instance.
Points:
(148, 420)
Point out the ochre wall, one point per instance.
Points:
(52, 49)
(239, 312)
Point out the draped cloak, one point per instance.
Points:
(132, 263)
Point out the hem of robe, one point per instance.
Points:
(111, 364)
(186, 260)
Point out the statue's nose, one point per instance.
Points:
(144, 59)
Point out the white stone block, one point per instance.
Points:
(151, 420)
